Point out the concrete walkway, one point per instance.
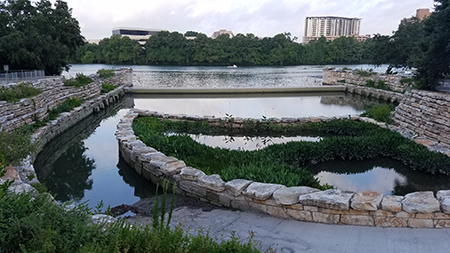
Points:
(295, 236)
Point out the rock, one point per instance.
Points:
(21, 188)
(10, 174)
(332, 199)
(212, 182)
(261, 191)
(392, 203)
(191, 174)
(420, 202)
(236, 186)
(102, 219)
(366, 201)
(290, 195)
(358, 220)
(444, 199)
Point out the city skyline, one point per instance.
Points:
(263, 18)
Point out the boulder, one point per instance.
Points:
(392, 203)
(290, 195)
(420, 202)
(366, 201)
(212, 182)
(444, 199)
(332, 199)
(236, 186)
(261, 191)
(191, 174)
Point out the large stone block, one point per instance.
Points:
(193, 188)
(420, 202)
(333, 199)
(212, 182)
(366, 200)
(420, 223)
(390, 222)
(261, 191)
(392, 203)
(236, 186)
(191, 174)
(326, 218)
(444, 199)
(358, 220)
(299, 214)
(290, 195)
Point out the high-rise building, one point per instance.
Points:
(223, 31)
(421, 14)
(138, 34)
(331, 27)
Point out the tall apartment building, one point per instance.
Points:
(332, 28)
(421, 14)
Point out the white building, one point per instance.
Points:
(331, 27)
(139, 34)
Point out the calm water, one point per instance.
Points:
(84, 164)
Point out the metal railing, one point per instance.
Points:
(17, 76)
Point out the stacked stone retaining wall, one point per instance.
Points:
(54, 93)
(366, 208)
(332, 76)
(426, 114)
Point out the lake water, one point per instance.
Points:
(84, 164)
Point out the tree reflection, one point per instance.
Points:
(69, 176)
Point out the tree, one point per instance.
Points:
(38, 36)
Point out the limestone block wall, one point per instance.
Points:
(388, 96)
(365, 208)
(425, 113)
(13, 115)
(332, 76)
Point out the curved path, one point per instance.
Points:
(296, 236)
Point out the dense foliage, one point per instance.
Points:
(173, 48)
(37, 35)
(37, 224)
(351, 140)
(79, 80)
(15, 145)
(66, 106)
(424, 45)
(17, 92)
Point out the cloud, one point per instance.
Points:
(262, 18)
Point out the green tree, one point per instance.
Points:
(38, 35)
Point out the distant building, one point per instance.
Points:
(139, 34)
(331, 28)
(223, 31)
(421, 14)
(94, 41)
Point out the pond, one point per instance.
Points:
(84, 163)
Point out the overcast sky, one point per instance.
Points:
(261, 17)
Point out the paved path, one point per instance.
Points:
(295, 236)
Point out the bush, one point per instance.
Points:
(380, 84)
(341, 81)
(15, 145)
(346, 68)
(66, 106)
(78, 81)
(106, 73)
(364, 73)
(106, 87)
(379, 113)
(17, 92)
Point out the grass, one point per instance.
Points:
(380, 84)
(34, 223)
(15, 145)
(279, 163)
(364, 73)
(17, 92)
(66, 106)
(106, 73)
(380, 113)
(79, 81)
(106, 87)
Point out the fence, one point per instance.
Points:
(21, 75)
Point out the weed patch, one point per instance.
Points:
(106, 87)
(106, 73)
(78, 81)
(66, 106)
(17, 92)
(380, 113)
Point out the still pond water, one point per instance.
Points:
(84, 163)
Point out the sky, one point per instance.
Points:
(263, 18)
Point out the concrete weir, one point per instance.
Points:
(260, 90)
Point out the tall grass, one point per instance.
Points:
(17, 92)
(79, 80)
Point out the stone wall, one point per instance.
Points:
(54, 93)
(426, 114)
(366, 208)
(378, 94)
(331, 76)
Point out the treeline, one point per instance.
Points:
(173, 48)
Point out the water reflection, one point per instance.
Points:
(247, 142)
(384, 175)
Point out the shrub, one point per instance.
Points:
(106, 87)
(341, 81)
(370, 83)
(79, 80)
(364, 73)
(17, 92)
(106, 73)
(346, 68)
(15, 145)
(66, 106)
(379, 113)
